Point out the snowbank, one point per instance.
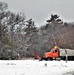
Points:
(35, 67)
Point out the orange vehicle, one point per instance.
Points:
(59, 54)
(54, 53)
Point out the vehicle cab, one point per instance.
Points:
(54, 53)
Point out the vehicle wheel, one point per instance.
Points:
(50, 58)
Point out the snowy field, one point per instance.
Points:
(35, 67)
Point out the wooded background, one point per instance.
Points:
(21, 38)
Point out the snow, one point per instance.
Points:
(35, 67)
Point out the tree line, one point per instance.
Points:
(21, 38)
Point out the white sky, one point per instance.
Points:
(40, 10)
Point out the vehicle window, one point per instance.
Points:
(55, 50)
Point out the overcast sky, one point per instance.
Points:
(40, 10)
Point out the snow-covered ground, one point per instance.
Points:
(35, 67)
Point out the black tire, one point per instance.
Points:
(49, 58)
(63, 58)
